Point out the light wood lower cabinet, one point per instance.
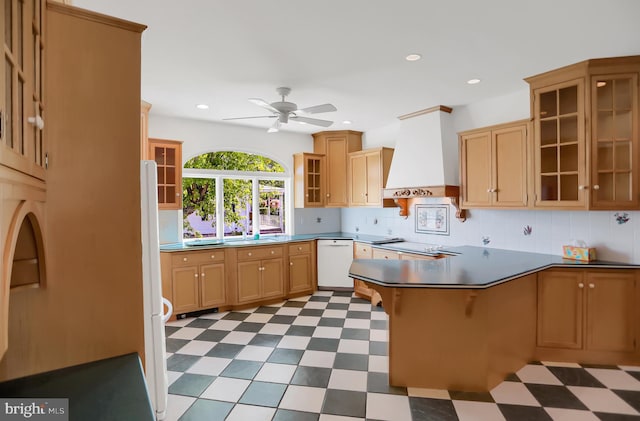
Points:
(302, 268)
(589, 311)
(362, 251)
(260, 273)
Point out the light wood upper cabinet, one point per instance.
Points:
(493, 166)
(336, 145)
(368, 172)
(168, 157)
(309, 180)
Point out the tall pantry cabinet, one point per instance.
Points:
(93, 289)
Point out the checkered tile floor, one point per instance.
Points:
(324, 358)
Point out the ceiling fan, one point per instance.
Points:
(283, 111)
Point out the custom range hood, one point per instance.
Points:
(425, 161)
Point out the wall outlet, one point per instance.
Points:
(318, 220)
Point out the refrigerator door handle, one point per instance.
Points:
(165, 316)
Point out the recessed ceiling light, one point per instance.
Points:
(346, 122)
(473, 81)
(202, 106)
(413, 57)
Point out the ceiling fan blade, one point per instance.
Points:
(275, 128)
(259, 116)
(324, 108)
(314, 121)
(264, 104)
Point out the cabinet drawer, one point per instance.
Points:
(257, 253)
(362, 251)
(188, 259)
(299, 248)
(385, 254)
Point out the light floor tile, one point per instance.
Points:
(379, 363)
(560, 414)
(316, 305)
(513, 393)
(613, 379)
(172, 376)
(419, 392)
(306, 321)
(477, 411)
(537, 374)
(348, 380)
(630, 367)
(328, 417)
(214, 316)
(259, 318)
(602, 400)
(255, 353)
(379, 315)
(274, 329)
(177, 405)
(304, 298)
(247, 310)
(294, 342)
(318, 359)
(388, 407)
(242, 412)
(303, 398)
(289, 311)
(560, 364)
(226, 389)
(167, 355)
(327, 332)
(276, 373)
(239, 338)
(378, 335)
(181, 322)
(225, 324)
(323, 293)
(209, 366)
(335, 314)
(197, 348)
(340, 300)
(352, 346)
(359, 307)
(187, 333)
(357, 323)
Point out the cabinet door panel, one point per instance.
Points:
(374, 179)
(272, 278)
(212, 285)
(249, 281)
(358, 176)
(385, 254)
(476, 174)
(510, 169)
(611, 324)
(361, 289)
(300, 273)
(337, 171)
(185, 289)
(560, 309)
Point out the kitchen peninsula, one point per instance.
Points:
(465, 322)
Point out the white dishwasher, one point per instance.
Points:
(334, 261)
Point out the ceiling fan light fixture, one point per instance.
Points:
(413, 57)
(347, 122)
(473, 81)
(202, 106)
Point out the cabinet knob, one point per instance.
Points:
(306, 195)
(184, 259)
(581, 187)
(202, 274)
(328, 195)
(580, 285)
(290, 263)
(386, 257)
(249, 254)
(273, 252)
(177, 194)
(592, 286)
(195, 275)
(213, 256)
(300, 248)
(596, 187)
(488, 190)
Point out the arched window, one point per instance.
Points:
(232, 193)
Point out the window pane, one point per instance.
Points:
(238, 213)
(199, 207)
(234, 161)
(272, 206)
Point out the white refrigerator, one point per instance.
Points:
(154, 303)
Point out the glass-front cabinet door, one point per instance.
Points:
(313, 169)
(560, 145)
(614, 141)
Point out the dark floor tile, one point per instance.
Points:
(283, 320)
(345, 402)
(201, 323)
(337, 306)
(205, 409)
(323, 344)
(342, 293)
(311, 376)
(241, 369)
(605, 366)
(320, 298)
(236, 315)
(331, 322)
(285, 356)
(359, 334)
(174, 345)
(379, 307)
(351, 362)
(523, 413)
(426, 409)
(378, 348)
(635, 374)
(170, 330)
(575, 377)
(313, 312)
(471, 396)
(190, 384)
(181, 362)
(512, 377)
(263, 394)
(267, 310)
(301, 330)
(249, 327)
(358, 300)
(225, 350)
(555, 396)
(603, 416)
(631, 397)
(262, 339)
(379, 383)
(212, 335)
(298, 304)
(379, 324)
(287, 415)
(359, 315)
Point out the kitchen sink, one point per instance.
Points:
(228, 242)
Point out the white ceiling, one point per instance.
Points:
(351, 52)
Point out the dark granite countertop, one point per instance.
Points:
(112, 389)
(472, 268)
